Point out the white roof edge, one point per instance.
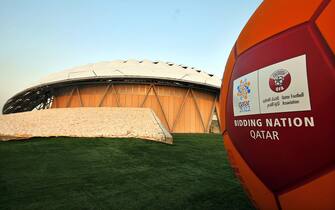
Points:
(134, 69)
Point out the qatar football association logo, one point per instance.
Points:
(280, 80)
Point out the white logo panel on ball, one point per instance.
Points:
(294, 97)
(280, 87)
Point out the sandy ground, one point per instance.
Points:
(85, 122)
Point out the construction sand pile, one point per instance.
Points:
(85, 122)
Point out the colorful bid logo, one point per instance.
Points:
(280, 80)
(243, 89)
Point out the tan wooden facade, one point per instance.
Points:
(181, 110)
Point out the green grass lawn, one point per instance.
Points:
(82, 173)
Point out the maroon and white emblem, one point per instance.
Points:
(280, 80)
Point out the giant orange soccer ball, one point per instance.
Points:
(278, 105)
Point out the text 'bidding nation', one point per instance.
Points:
(276, 122)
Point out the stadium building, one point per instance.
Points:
(185, 99)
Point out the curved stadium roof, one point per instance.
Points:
(119, 70)
(134, 69)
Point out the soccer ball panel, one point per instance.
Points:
(317, 194)
(326, 24)
(273, 17)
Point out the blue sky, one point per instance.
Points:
(38, 37)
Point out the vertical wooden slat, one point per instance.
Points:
(146, 96)
(70, 98)
(172, 104)
(54, 102)
(117, 96)
(217, 108)
(198, 110)
(79, 96)
(160, 104)
(180, 110)
(211, 115)
(104, 95)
